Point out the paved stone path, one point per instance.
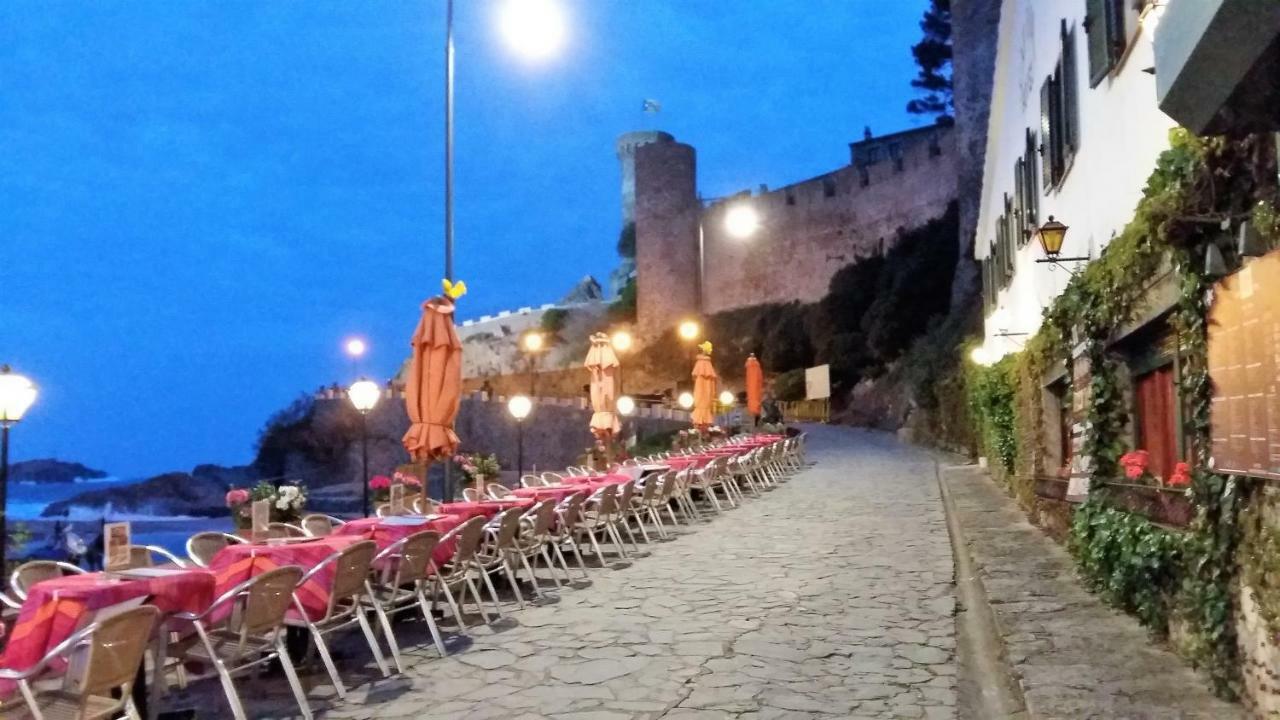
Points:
(1074, 656)
(831, 597)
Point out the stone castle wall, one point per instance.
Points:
(809, 229)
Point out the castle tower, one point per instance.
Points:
(627, 144)
(666, 212)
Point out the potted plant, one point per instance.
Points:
(479, 469)
(380, 486)
(1162, 500)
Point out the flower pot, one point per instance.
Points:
(1166, 506)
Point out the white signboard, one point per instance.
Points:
(817, 382)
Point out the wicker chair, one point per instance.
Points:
(201, 547)
(348, 596)
(535, 540)
(569, 514)
(599, 517)
(497, 491)
(30, 573)
(402, 586)
(532, 481)
(277, 530)
(319, 525)
(426, 506)
(240, 631)
(102, 661)
(144, 556)
(500, 549)
(458, 572)
(471, 495)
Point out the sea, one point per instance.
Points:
(27, 500)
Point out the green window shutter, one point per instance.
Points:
(1020, 200)
(1070, 93)
(1029, 181)
(1098, 30)
(1046, 133)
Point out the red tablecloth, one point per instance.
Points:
(236, 563)
(680, 462)
(384, 534)
(484, 508)
(557, 493)
(54, 609)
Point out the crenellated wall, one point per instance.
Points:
(808, 231)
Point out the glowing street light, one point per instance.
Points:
(625, 405)
(356, 347)
(519, 406)
(685, 400)
(533, 342)
(741, 221)
(981, 356)
(727, 398)
(364, 394)
(689, 330)
(621, 340)
(17, 394)
(533, 28)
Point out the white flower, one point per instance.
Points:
(282, 504)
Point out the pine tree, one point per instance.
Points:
(933, 55)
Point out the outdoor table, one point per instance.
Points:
(484, 508)
(56, 608)
(236, 563)
(682, 462)
(386, 531)
(558, 493)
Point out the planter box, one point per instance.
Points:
(1051, 488)
(1166, 506)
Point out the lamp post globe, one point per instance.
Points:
(741, 221)
(726, 398)
(625, 405)
(621, 340)
(533, 342)
(685, 400)
(519, 406)
(689, 330)
(364, 395)
(535, 29)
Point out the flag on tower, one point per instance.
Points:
(651, 106)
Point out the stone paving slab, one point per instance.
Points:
(830, 597)
(1075, 657)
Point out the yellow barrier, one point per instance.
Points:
(806, 410)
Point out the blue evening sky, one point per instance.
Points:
(200, 200)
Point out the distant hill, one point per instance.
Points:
(52, 471)
(200, 493)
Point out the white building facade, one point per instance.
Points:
(1074, 132)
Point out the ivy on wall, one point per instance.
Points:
(1158, 574)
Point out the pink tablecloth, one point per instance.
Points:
(384, 534)
(54, 609)
(236, 563)
(557, 493)
(485, 508)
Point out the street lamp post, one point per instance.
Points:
(364, 396)
(17, 393)
(689, 331)
(621, 341)
(519, 407)
(726, 403)
(625, 405)
(535, 28)
(533, 343)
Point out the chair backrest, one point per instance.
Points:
(607, 500)
(284, 530)
(426, 506)
(34, 571)
(202, 546)
(570, 509)
(110, 652)
(544, 517)
(625, 491)
(550, 478)
(142, 556)
(382, 510)
(633, 471)
(531, 481)
(508, 522)
(262, 605)
(350, 570)
(669, 485)
(498, 491)
(468, 535)
(415, 555)
(318, 525)
(471, 495)
(651, 488)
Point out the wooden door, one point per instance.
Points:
(1157, 419)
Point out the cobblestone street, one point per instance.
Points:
(829, 597)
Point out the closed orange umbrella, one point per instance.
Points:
(755, 385)
(603, 364)
(434, 386)
(704, 389)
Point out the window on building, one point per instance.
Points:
(828, 187)
(1059, 115)
(791, 197)
(1156, 417)
(871, 155)
(1104, 23)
